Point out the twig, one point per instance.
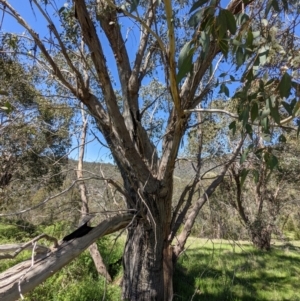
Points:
(22, 277)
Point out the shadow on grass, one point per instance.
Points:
(225, 273)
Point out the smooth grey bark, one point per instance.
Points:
(95, 253)
(32, 274)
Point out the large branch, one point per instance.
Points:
(109, 22)
(30, 274)
(115, 130)
(171, 57)
(190, 220)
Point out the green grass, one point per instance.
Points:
(209, 270)
(218, 270)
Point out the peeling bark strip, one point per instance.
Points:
(54, 261)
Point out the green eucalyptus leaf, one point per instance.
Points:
(61, 9)
(254, 111)
(266, 136)
(268, 7)
(262, 57)
(240, 58)
(271, 161)
(245, 116)
(274, 111)
(249, 130)
(224, 89)
(195, 19)
(223, 44)
(285, 85)
(184, 53)
(244, 174)
(255, 175)
(265, 123)
(230, 21)
(256, 34)
(232, 126)
(292, 104)
(205, 42)
(249, 40)
(8, 108)
(244, 156)
(242, 18)
(282, 138)
(134, 5)
(208, 19)
(221, 21)
(185, 61)
(266, 112)
(296, 108)
(287, 107)
(197, 4)
(285, 5)
(276, 6)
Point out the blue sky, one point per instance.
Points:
(94, 150)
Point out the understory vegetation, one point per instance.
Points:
(209, 270)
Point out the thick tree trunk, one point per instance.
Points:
(148, 268)
(261, 236)
(98, 261)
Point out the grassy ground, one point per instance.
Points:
(209, 270)
(218, 270)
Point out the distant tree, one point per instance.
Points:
(34, 136)
(263, 197)
(188, 54)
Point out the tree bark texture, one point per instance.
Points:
(148, 266)
(260, 235)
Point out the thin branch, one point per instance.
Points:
(143, 43)
(126, 13)
(47, 199)
(63, 49)
(282, 122)
(35, 36)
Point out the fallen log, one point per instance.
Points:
(25, 276)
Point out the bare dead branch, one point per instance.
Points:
(48, 265)
(18, 248)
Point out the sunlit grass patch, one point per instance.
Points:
(222, 270)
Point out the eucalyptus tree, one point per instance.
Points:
(104, 52)
(33, 134)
